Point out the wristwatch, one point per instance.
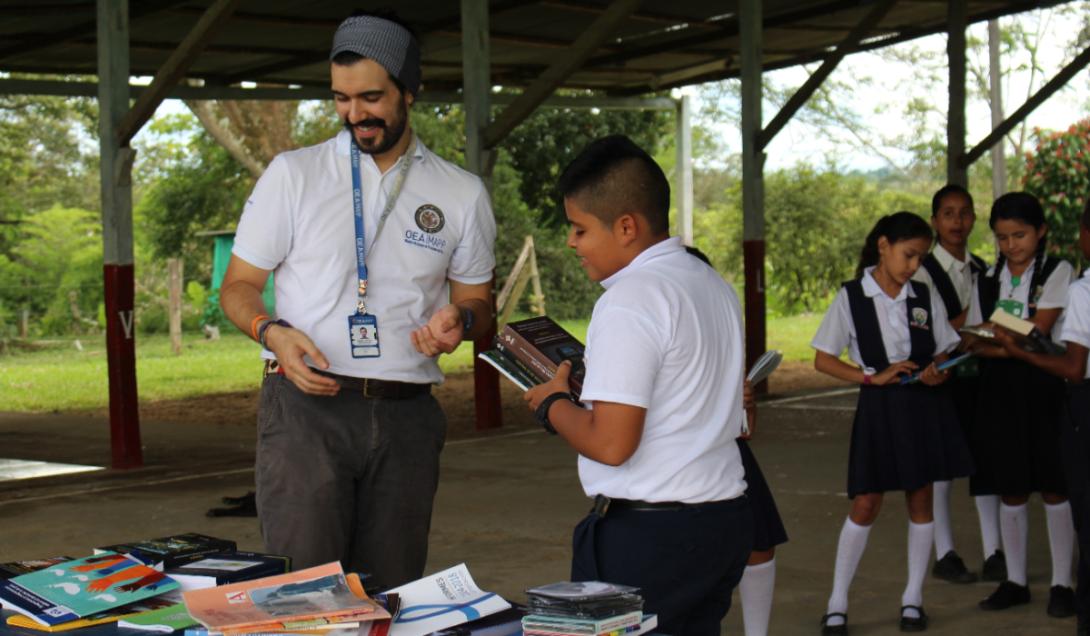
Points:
(468, 318)
(542, 411)
(263, 329)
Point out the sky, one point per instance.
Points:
(880, 105)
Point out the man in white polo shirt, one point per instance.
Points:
(383, 260)
(663, 387)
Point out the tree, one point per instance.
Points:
(1058, 174)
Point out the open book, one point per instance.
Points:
(1027, 335)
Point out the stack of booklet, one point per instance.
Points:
(529, 351)
(587, 608)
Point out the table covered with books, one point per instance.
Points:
(198, 585)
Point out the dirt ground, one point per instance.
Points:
(456, 395)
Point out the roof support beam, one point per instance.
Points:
(1056, 83)
(554, 76)
(753, 205)
(955, 111)
(846, 46)
(174, 68)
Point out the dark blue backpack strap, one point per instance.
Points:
(1040, 277)
(867, 331)
(977, 265)
(921, 324)
(943, 285)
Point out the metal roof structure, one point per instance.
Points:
(654, 47)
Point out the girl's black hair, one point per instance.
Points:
(1024, 207)
(945, 191)
(896, 227)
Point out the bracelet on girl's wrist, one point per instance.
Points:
(868, 378)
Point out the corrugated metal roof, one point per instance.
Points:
(660, 45)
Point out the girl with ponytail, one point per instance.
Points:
(905, 435)
(1019, 405)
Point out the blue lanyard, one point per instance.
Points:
(357, 210)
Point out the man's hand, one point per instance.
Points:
(290, 345)
(442, 334)
(559, 384)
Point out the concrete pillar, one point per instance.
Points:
(116, 185)
(955, 126)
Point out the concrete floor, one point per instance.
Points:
(506, 506)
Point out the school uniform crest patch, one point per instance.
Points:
(919, 317)
(430, 218)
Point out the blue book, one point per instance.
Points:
(83, 587)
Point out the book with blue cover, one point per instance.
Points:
(76, 589)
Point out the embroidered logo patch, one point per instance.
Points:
(430, 218)
(919, 317)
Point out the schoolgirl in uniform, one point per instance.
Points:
(1074, 424)
(1019, 404)
(905, 436)
(757, 587)
(951, 269)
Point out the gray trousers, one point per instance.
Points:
(349, 479)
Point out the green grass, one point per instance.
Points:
(60, 377)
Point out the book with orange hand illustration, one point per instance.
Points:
(83, 587)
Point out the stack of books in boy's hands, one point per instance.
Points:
(529, 351)
(587, 608)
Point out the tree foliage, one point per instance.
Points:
(1058, 174)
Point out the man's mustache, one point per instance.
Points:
(366, 123)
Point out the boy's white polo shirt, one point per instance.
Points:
(837, 330)
(667, 336)
(1076, 327)
(299, 222)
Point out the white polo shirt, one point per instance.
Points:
(837, 329)
(299, 222)
(667, 336)
(1076, 327)
(1053, 293)
(959, 271)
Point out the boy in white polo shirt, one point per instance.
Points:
(663, 395)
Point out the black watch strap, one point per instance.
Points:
(542, 412)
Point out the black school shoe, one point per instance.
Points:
(913, 624)
(995, 567)
(834, 630)
(1006, 595)
(951, 568)
(1061, 602)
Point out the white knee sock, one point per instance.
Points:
(944, 534)
(853, 541)
(987, 509)
(1061, 541)
(1013, 528)
(755, 590)
(919, 553)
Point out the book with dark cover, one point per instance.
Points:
(16, 568)
(172, 551)
(228, 567)
(541, 345)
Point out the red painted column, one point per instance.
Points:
(121, 362)
(753, 259)
(486, 380)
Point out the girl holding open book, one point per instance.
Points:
(1019, 405)
(905, 435)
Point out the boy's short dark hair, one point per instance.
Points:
(946, 190)
(613, 176)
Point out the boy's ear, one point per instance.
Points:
(626, 229)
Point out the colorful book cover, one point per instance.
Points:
(77, 589)
(165, 619)
(15, 568)
(109, 616)
(541, 344)
(271, 603)
(442, 600)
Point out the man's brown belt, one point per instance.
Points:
(369, 387)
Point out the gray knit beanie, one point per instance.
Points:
(384, 41)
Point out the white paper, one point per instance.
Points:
(442, 600)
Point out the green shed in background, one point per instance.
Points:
(222, 242)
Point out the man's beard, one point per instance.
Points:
(390, 134)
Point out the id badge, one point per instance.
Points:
(1011, 306)
(363, 334)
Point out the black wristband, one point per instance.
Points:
(264, 329)
(542, 412)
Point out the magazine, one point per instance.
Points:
(442, 600)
